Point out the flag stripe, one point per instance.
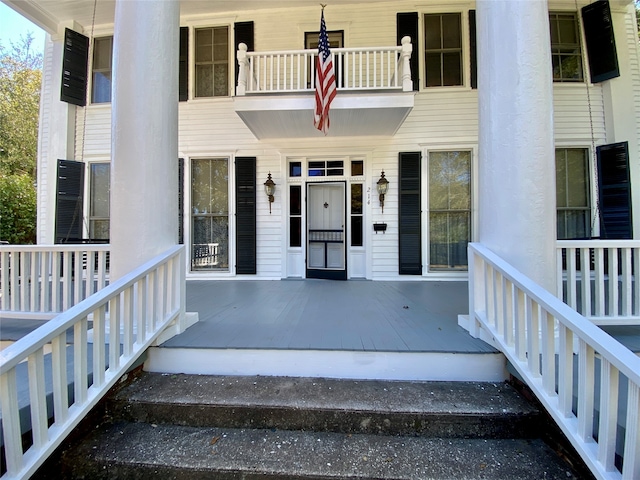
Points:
(325, 80)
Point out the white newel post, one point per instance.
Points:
(243, 67)
(144, 125)
(517, 218)
(407, 48)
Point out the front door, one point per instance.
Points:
(326, 247)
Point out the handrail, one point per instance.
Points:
(141, 305)
(288, 71)
(600, 279)
(44, 280)
(542, 337)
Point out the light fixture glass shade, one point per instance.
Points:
(383, 184)
(269, 186)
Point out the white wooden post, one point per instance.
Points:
(407, 48)
(243, 63)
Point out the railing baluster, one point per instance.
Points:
(14, 284)
(533, 337)
(586, 387)
(34, 282)
(80, 361)
(631, 466)
(299, 72)
(66, 280)
(608, 414)
(548, 354)
(613, 282)
(59, 369)
(636, 282)
(45, 274)
(598, 259)
(500, 305)
(78, 280)
(128, 321)
(55, 281)
(11, 422)
(5, 289)
(585, 275)
(141, 333)
(25, 261)
(565, 372)
(37, 399)
(99, 346)
(520, 321)
(509, 317)
(114, 334)
(626, 290)
(571, 278)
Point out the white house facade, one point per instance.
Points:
(245, 83)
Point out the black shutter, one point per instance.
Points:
(183, 72)
(473, 50)
(407, 24)
(243, 33)
(601, 44)
(246, 215)
(69, 190)
(614, 190)
(409, 214)
(181, 201)
(75, 63)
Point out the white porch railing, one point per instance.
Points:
(542, 337)
(293, 71)
(136, 309)
(599, 279)
(44, 280)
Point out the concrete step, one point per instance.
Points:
(194, 426)
(143, 450)
(449, 409)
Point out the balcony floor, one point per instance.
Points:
(328, 315)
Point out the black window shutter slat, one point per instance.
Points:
(183, 73)
(601, 44)
(180, 201)
(473, 52)
(246, 215)
(614, 190)
(69, 196)
(407, 24)
(243, 33)
(410, 256)
(75, 61)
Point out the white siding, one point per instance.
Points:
(441, 118)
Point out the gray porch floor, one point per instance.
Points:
(328, 315)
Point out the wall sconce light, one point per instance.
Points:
(382, 186)
(270, 189)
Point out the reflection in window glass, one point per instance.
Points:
(572, 193)
(295, 169)
(566, 55)
(210, 214)
(99, 188)
(443, 49)
(101, 70)
(449, 209)
(212, 62)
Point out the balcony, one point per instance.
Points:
(275, 94)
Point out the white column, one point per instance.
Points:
(517, 217)
(144, 125)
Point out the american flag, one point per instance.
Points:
(325, 80)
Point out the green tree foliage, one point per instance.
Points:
(17, 209)
(20, 79)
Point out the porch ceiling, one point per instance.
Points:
(352, 114)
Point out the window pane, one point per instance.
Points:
(434, 69)
(295, 169)
(561, 178)
(572, 193)
(357, 168)
(221, 80)
(295, 202)
(101, 87)
(204, 53)
(99, 230)
(432, 32)
(295, 232)
(451, 68)
(451, 37)
(204, 80)
(450, 235)
(567, 29)
(99, 186)
(102, 54)
(356, 199)
(356, 231)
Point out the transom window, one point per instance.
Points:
(101, 70)
(443, 49)
(572, 193)
(566, 55)
(212, 62)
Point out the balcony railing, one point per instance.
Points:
(293, 71)
(599, 279)
(43, 280)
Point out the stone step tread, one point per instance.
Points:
(469, 398)
(141, 450)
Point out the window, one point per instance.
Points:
(443, 49)
(449, 209)
(295, 169)
(356, 215)
(210, 214)
(572, 193)
(566, 56)
(295, 216)
(212, 62)
(101, 73)
(328, 168)
(336, 39)
(357, 168)
(99, 188)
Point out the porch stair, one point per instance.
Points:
(195, 426)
